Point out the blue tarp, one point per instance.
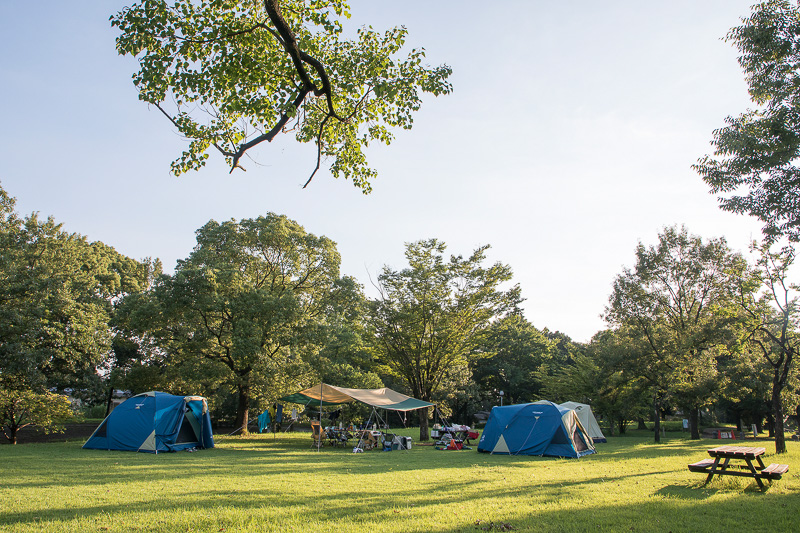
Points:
(540, 428)
(155, 422)
(263, 421)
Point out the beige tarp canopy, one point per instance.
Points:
(385, 398)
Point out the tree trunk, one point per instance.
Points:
(610, 427)
(771, 423)
(641, 423)
(657, 419)
(424, 433)
(110, 400)
(694, 423)
(777, 409)
(243, 411)
(10, 433)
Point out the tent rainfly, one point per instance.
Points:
(155, 422)
(324, 394)
(540, 428)
(588, 420)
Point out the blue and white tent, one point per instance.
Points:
(540, 428)
(155, 422)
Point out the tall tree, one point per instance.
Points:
(231, 74)
(747, 390)
(57, 292)
(431, 316)
(620, 396)
(245, 301)
(600, 377)
(675, 304)
(754, 165)
(774, 324)
(512, 354)
(346, 356)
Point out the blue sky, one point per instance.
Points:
(569, 138)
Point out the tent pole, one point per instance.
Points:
(529, 435)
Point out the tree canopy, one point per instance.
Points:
(57, 292)
(431, 316)
(675, 305)
(244, 303)
(512, 354)
(772, 313)
(22, 408)
(231, 74)
(754, 165)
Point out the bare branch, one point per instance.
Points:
(319, 149)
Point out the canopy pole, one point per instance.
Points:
(319, 440)
(442, 418)
(366, 428)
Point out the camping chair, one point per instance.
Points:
(388, 439)
(331, 436)
(342, 437)
(316, 434)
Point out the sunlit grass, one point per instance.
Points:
(262, 483)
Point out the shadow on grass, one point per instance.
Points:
(676, 509)
(259, 451)
(463, 491)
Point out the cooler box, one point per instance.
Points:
(405, 443)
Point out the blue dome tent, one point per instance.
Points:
(155, 422)
(540, 428)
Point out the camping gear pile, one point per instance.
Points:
(448, 442)
(155, 422)
(455, 432)
(368, 436)
(452, 437)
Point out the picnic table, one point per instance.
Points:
(719, 464)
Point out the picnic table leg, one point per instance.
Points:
(754, 471)
(713, 470)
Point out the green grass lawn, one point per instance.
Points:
(261, 483)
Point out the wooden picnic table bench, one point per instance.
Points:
(720, 464)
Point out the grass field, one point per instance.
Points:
(261, 483)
